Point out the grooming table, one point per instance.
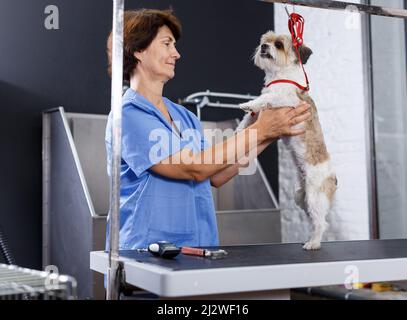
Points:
(261, 271)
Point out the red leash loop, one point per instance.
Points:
(296, 27)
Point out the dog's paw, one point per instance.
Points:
(245, 106)
(312, 245)
(242, 125)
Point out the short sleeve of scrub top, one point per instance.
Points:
(153, 207)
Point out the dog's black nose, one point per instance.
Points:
(264, 47)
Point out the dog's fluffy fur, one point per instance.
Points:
(317, 180)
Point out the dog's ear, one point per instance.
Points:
(305, 53)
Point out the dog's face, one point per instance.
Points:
(276, 52)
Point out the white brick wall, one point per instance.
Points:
(337, 84)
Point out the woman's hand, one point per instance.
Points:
(276, 122)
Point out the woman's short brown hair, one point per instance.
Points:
(139, 30)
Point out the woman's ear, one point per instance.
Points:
(138, 55)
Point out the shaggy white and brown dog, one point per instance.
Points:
(317, 180)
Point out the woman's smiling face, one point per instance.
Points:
(158, 60)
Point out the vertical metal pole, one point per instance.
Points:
(46, 175)
(116, 101)
(370, 124)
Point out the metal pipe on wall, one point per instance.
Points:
(346, 6)
(116, 101)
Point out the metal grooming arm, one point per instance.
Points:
(345, 6)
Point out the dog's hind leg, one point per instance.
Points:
(318, 206)
(320, 188)
(299, 196)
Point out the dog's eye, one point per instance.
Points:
(279, 45)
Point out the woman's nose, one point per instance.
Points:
(176, 54)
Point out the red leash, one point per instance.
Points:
(296, 26)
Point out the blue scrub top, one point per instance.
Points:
(153, 207)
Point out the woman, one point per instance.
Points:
(165, 179)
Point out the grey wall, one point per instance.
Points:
(41, 69)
